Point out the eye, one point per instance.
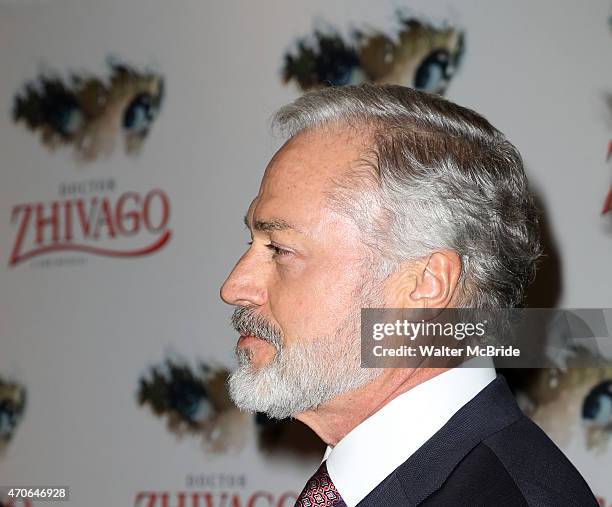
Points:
(277, 251)
(274, 248)
(140, 113)
(433, 72)
(330, 61)
(190, 400)
(66, 116)
(597, 406)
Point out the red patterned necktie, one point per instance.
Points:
(320, 491)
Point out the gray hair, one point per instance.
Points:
(435, 175)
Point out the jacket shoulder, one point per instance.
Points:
(480, 479)
(539, 468)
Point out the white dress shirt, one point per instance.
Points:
(377, 446)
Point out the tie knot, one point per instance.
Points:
(320, 491)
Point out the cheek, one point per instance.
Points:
(313, 304)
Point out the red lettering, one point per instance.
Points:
(260, 495)
(292, 497)
(14, 503)
(146, 211)
(27, 212)
(104, 219)
(132, 215)
(42, 222)
(67, 220)
(207, 499)
(68, 225)
(144, 495)
(217, 499)
(85, 220)
(181, 500)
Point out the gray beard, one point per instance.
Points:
(305, 374)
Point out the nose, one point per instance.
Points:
(244, 286)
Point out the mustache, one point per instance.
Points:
(247, 322)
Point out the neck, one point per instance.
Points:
(332, 420)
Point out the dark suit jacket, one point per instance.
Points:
(487, 454)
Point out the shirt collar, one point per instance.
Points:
(378, 445)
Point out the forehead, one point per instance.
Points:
(297, 178)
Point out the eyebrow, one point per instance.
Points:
(272, 224)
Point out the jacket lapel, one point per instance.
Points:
(425, 471)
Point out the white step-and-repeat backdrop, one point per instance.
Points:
(133, 135)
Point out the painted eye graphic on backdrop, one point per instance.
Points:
(195, 401)
(330, 61)
(12, 408)
(418, 55)
(597, 414)
(90, 112)
(568, 401)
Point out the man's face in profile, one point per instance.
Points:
(301, 284)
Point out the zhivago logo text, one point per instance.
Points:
(94, 225)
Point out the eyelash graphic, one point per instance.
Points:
(277, 250)
(12, 407)
(419, 54)
(91, 112)
(193, 399)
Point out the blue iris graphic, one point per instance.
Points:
(597, 406)
(433, 73)
(140, 113)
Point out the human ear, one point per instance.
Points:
(436, 280)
